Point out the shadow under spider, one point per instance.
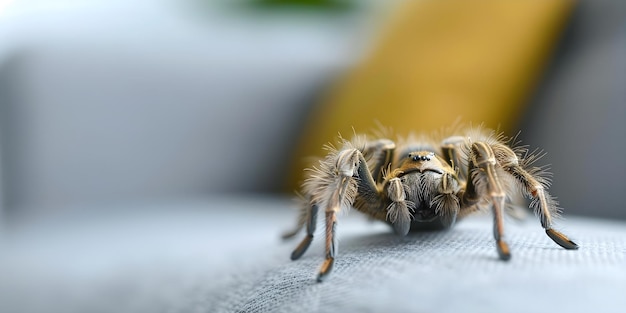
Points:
(389, 240)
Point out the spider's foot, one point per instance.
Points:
(503, 250)
(561, 239)
(301, 248)
(327, 266)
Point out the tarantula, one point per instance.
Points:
(424, 184)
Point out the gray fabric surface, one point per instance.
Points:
(224, 255)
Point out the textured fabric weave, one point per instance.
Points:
(232, 260)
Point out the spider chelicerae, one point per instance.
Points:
(426, 182)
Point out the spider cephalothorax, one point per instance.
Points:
(424, 184)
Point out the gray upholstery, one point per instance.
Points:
(224, 255)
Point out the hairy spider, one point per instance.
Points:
(425, 183)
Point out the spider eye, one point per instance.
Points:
(416, 158)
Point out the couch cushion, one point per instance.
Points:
(225, 255)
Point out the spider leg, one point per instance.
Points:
(450, 148)
(355, 186)
(544, 204)
(292, 233)
(468, 199)
(342, 190)
(305, 208)
(331, 245)
(392, 207)
(482, 168)
(343, 179)
(310, 220)
(380, 152)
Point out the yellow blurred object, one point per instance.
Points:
(441, 60)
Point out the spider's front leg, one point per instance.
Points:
(536, 188)
(487, 164)
(334, 185)
(482, 169)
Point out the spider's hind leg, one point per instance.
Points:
(310, 220)
(303, 218)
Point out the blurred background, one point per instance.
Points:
(112, 102)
